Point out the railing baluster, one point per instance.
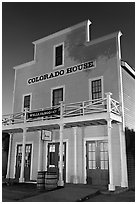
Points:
(69, 110)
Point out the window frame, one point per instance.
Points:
(90, 88)
(57, 87)
(54, 55)
(28, 94)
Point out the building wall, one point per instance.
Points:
(129, 99)
(76, 51)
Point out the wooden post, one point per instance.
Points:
(21, 179)
(109, 94)
(9, 156)
(111, 185)
(40, 154)
(61, 181)
(124, 179)
(75, 156)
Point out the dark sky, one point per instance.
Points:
(24, 22)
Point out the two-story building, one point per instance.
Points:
(71, 105)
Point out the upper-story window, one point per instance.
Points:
(27, 102)
(58, 55)
(96, 88)
(57, 95)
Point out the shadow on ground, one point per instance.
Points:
(19, 191)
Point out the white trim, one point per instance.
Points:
(24, 65)
(120, 80)
(124, 179)
(20, 143)
(40, 151)
(88, 31)
(63, 52)
(126, 66)
(103, 138)
(57, 141)
(14, 93)
(102, 85)
(122, 128)
(23, 100)
(75, 155)
(103, 38)
(64, 31)
(57, 87)
(35, 49)
(46, 156)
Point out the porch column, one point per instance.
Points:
(75, 156)
(21, 179)
(111, 176)
(111, 185)
(9, 156)
(60, 181)
(40, 156)
(124, 179)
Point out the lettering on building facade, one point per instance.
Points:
(62, 72)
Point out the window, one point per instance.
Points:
(103, 155)
(57, 96)
(96, 88)
(58, 55)
(26, 102)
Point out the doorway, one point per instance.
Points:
(27, 164)
(97, 162)
(53, 159)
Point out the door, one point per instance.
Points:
(97, 162)
(53, 159)
(18, 161)
(27, 165)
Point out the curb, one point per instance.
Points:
(117, 191)
(88, 197)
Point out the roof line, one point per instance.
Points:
(24, 64)
(127, 67)
(103, 38)
(61, 32)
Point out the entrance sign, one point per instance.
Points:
(43, 113)
(46, 135)
(62, 72)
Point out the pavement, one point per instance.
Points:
(128, 196)
(68, 193)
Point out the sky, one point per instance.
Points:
(25, 22)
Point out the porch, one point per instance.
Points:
(95, 112)
(98, 112)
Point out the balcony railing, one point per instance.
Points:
(65, 110)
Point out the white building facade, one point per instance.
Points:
(70, 110)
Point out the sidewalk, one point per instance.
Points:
(70, 193)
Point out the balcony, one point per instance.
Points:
(92, 112)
